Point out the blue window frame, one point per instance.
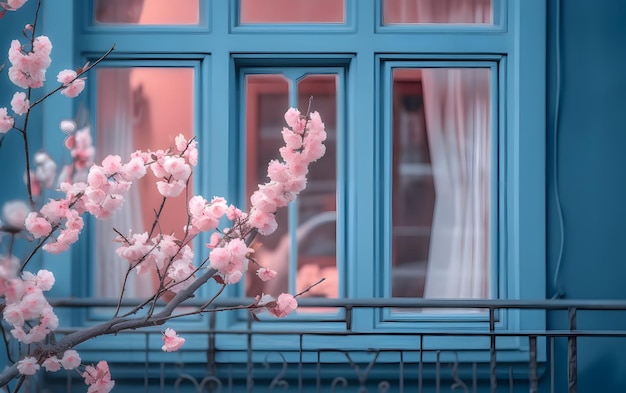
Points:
(362, 52)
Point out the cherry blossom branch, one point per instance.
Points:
(81, 71)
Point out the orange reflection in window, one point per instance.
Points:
(267, 98)
(147, 12)
(138, 109)
(292, 11)
(437, 11)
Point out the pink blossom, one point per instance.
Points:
(20, 104)
(14, 213)
(6, 121)
(112, 164)
(172, 189)
(263, 221)
(177, 168)
(70, 360)
(74, 88)
(52, 364)
(74, 85)
(56, 247)
(98, 378)
(32, 305)
(13, 314)
(172, 342)
(285, 305)
(292, 139)
(45, 280)
(28, 366)
(265, 274)
(278, 171)
(66, 76)
(45, 169)
(37, 226)
(134, 169)
(15, 4)
(181, 143)
(214, 240)
(29, 70)
(293, 118)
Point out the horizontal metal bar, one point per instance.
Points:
(548, 304)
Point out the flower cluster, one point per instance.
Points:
(173, 169)
(303, 145)
(26, 309)
(28, 68)
(98, 378)
(281, 307)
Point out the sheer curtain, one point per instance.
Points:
(115, 136)
(457, 106)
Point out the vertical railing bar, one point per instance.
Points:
(552, 364)
(533, 380)
(318, 375)
(492, 350)
(475, 377)
(300, 365)
(349, 319)
(249, 379)
(147, 363)
(211, 364)
(437, 373)
(511, 383)
(68, 382)
(230, 378)
(572, 380)
(162, 377)
(401, 381)
(420, 367)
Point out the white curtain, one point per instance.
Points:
(115, 136)
(457, 106)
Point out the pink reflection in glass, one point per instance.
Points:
(437, 11)
(292, 11)
(147, 12)
(267, 97)
(139, 108)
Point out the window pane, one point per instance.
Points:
(317, 217)
(267, 99)
(308, 224)
(291, 11)
(139, 108)
(147, 12)
(441, 177)
(437, 11)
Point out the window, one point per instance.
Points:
(433, 182)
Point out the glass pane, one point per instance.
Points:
(317, 217)
(312, 217)
(441, 178)
(267, 99)
(438, 11)
(147, 12)
(292, 11)
(139, 108)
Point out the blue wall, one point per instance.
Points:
(590, 159)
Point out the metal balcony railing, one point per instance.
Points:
(344, 355)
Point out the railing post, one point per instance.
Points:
(492, 350)
(533, 381)
(572, 355)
